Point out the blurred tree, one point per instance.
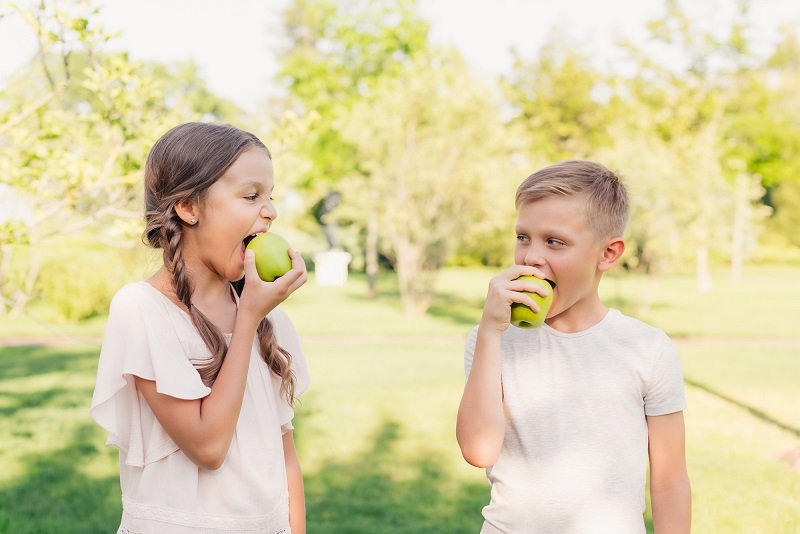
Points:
(430, 140)
(565, 105)
(710, 104)
(336, 53)
(76, 127)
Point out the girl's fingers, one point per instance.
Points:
(250, 271)
(296, 276)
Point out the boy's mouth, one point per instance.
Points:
(552, 284)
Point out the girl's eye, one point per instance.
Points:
(251, 197)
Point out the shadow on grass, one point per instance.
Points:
(52, 493)
(759, 414)
(456, 309)
(377, 492)
(31, 360)
(55, 496)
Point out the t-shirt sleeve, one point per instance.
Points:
(469, 351)
(665, 392)
(140, 340)
(289, 340)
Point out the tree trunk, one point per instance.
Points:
(741, 205)
(5, 268)
(704, 281)
(371, 253)
(415, 291)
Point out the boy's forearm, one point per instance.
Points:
(480, 427)
(672, 509)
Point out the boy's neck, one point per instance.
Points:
(579, 317)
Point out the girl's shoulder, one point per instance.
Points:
(140, 295)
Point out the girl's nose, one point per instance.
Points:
(268, 211)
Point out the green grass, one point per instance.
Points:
(375, 432)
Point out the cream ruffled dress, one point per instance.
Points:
(163, 491)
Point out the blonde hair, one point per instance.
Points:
(607, 209)
(181, 166)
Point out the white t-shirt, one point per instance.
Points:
(574, 456)
(163, 491)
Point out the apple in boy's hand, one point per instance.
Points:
(523, 316)
(272, 256)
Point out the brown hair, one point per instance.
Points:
(181, 166)
(607, 208)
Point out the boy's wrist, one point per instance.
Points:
(489, 332)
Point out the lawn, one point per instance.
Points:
(375, 432)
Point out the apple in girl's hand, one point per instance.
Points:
(272, 255)
(523, 316)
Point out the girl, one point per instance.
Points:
(195, 384)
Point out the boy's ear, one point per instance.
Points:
(612, 252)
(187, 211)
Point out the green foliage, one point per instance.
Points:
(427, 139)
(76, 128)
(564, 104)
(71, 281)
(336, 53)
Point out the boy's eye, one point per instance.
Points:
(554, 242)
(522, 238)
(251, 197)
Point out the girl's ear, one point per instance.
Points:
(187, 211)
(611, 253)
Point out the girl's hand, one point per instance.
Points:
(259, 297)
(505, 289)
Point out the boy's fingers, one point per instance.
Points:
(515, 271)
(531, 287)
(522, 298)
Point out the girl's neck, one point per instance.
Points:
(205, 289)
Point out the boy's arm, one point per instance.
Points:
(670, 493)
(480, 427)
(297, 498)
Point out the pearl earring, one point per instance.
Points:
(194, 221)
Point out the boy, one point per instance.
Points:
(563, 416)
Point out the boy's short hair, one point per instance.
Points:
(607, 209)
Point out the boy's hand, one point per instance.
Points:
(505, 289)
(259, 297)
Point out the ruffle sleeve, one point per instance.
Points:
(288, 339)
(141, 339)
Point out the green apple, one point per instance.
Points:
(524, 317)
(272, 255)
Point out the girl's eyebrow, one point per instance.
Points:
(256, 184)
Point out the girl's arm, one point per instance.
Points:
(297, 498)
(670, 492)
(203, 428)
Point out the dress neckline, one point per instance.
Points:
(172, 303)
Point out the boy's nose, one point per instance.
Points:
(534, 259)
